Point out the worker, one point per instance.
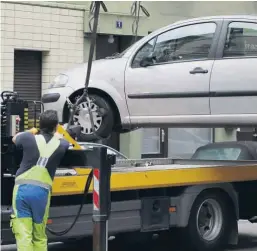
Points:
(42, 154)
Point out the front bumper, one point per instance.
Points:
(55, 99)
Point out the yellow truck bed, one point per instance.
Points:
(143, 177)
(163, 173)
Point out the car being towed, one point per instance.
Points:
(194, 73)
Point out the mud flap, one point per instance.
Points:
(233, 237)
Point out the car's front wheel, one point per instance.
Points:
(103, 118)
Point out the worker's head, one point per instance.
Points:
(48, 121)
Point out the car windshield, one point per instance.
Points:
(219, 153)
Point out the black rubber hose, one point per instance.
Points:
(86, 190)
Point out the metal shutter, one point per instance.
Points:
(27, 76)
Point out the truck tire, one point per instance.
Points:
(102, 115)
(209, 222)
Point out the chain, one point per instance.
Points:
(135, 10)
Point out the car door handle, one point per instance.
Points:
(198, 70)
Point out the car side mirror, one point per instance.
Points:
(147, 61)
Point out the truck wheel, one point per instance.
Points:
(209, 223)
(102, 116)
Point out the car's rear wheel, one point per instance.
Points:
(210, 223)
(103, 118)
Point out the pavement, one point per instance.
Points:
(247, 242)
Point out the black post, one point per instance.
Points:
(101, 200)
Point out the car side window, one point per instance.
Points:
(143, 52)
(241, 40)
(189, 42)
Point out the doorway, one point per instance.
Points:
(107, 44)
(28, 77)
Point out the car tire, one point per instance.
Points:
(107, 119)
(222, 215)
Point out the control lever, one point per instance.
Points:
(198, 70)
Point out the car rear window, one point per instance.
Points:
(221, 153)
(241, 39)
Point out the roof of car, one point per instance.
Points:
(253, 16)
(208, 18)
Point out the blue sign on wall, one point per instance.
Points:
(119, 24)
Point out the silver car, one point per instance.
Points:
(194, 73)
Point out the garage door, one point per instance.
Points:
(27, 75)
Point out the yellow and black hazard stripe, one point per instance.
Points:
(26, 119)
(31, 123)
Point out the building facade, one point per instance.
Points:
(39, 39)
(49, 37)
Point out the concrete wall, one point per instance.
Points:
(131, 144)
(163, 13)
(56, 30)
(222, 134)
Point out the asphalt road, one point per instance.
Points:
(247, 242)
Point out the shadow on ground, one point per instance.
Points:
(246, 242)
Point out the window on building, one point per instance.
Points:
(241, 40)
(179, 142)
(151, 141)
(182, 142)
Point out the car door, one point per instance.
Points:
(234, 76)
(177, 82)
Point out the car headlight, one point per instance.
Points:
(59, 81)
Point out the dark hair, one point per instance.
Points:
(48, 121)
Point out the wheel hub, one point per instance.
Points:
(82, 117)
(209, 219)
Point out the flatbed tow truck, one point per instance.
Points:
(205, 199)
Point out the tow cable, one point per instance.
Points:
(94, 11)
(135, 12)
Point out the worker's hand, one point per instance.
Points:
(33, 130)
(58, 135)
